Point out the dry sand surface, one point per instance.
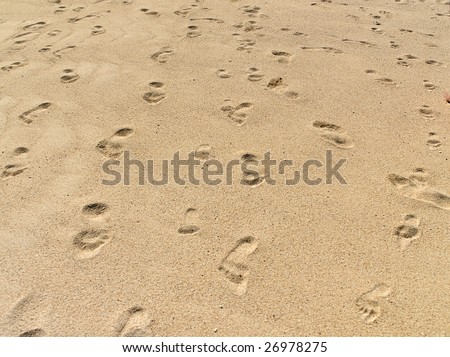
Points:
(84, 81)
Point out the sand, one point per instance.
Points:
(83, 82)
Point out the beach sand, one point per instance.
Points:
(83, 82)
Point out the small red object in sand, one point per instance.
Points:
(447, 97)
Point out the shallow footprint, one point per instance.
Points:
(254, 74)
(238, 113)
(370, 303)
(28, 116)
(223, 73)
(251, 175)
(95, 210)
(12, 170)
(134, 322)
(427, 112)
(234, 265)
(13, 65)
(162, 55)
(190, 225)
(112, 147)
(89, 242)
(433, 141)
(283, 57)
(408, 231)
(416, 187)
(37, 332)
(333, 134)
(98, 30)
(69, 76)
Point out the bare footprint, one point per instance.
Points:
(150, 12)
(246, 45)
(429, 86)
(37, 332)
(163, 54)
(69, 76)
(95, 210)
(408, 231)
(252, 173)
(193, 32)
(427, 112)
(370, 303)
(89, 242)
(156, 95)
(113, 147)
(223, 73)
(416, 187)
(333, 134)
(282, 57)
(97, 30)
(13, 66)
(190, 225)
(204, 152)
(433, 142)
(238, 113)
(234, 265)
(254, 74)
(134, 322)
(30, 115)
(12, 170)
(380, 78)
(324, 49)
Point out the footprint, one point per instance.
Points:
(35, 26)
(59, 53)
(69, 76)
(207, 19)
(323, 48)
(359, 42)
(30, 115)
(282, 57)
(429, 86)
(427, 112)
(234, 265)
(407, 231)
(12, 170)
(333, 134)
(156, 95)
(297, 33)
(279, 85)
(183, 11)
(190, 223)
(248, 26)
(223, 73)
(246, 45)
(13, 66)
(46, 48)
(98, 30)
(433, 141)
(380, 78)
(163, 54)
(204, 152)
(238, 113)
(112, 147)
(54, 33)
(20, 151)
(95, 210)
(433, 62)
(370, 303)
(193, 31)
(150, 13)
(134, 322)
(252, 11)
(416, 187)
(89, 242)
(393, 44)
(77, 19)
(37, 332)
(254, 75)
(252, 173)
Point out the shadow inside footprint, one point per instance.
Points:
(234, 265)
(89, 242)
(333, 134)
